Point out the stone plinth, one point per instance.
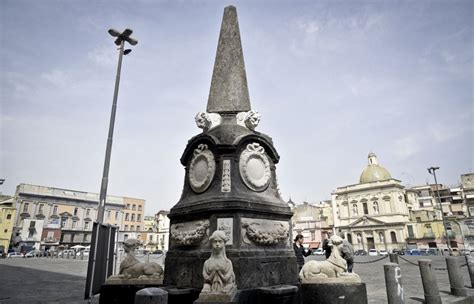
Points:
(333, 293)
(121, 293)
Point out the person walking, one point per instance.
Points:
(300, 251)
(347, 252)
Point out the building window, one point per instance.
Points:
(126, 216)
(25, 207)
(63, 222)
(128, 206)
(376, 207)
(139, 207)
(393, 236)
(151, 237)
(349, 238)
(86, 225)
(133, 217)
(116, 215)
(125, 237)
(74, 223)
(55, 209)
(134, 207)
(132, 227)
(138, 228)
(9, 216)
(410, 231)
(40, 211)
(5, 231)
(418, 219)
(126, 228)
(366, 210)
(75, 211)
(139, 217)
(88, 212)
(108, 214)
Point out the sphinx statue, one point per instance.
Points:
(218, 273)
(132, 270)
(332, 270)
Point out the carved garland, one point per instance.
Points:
(266, 233)
(201, 169)
(185, 236)
(254, 167)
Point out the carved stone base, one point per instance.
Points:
(134, 281)
(329, 293)
(217, 297)
(345, 278)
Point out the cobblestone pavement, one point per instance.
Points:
(46, 280)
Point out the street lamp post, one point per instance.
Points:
(432, 171)
(120, 41)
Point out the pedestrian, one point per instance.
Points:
(326, 247)
(347, 252)
(300, 251)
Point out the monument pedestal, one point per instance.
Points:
(330, 293)
(121, 293)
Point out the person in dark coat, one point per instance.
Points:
(326, 247)
(300, 251)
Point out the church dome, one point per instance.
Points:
(374, 172)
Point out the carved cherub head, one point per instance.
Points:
(203, 121)
(252, 118)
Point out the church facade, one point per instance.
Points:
(374, 213)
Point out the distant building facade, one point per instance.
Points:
(49, 217)
(7, 221)
(372, 214)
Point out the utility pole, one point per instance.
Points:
(432, 171)
(120, 41)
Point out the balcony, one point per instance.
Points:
(50, 240)
(429, 235)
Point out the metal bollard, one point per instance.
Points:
(470, 267)
(394, 258)
(393, 282)
(430, 285)
(455, 277)
(82, 255)
(151, 295)
(68, 255)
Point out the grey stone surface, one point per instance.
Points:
(393, 283)
(229, 92)
(151, 295)
(41, 280)
(470, 267)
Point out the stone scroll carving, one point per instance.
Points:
(189, 233)
(207, 121)
(226, 180)
(332, 270)
(254, 167)
(264, 232)
(218, 273)
(201, 169)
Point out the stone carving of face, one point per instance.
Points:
(217, 244)
(252, 119)
(203, 120)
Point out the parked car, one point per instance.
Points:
(414, 252)
(373, 252)
(85, 251)
(15, 255)
(319, 251)
(433, 251)
(34, 253)
(360, 252)
(398, 251)
(383, 252)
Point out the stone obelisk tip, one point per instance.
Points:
(229, 91)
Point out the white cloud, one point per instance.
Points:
(104, 55)
(56, 77)
(406, 147)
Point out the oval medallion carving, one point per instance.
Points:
(201, 169)
(255, 167)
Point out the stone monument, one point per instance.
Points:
(230, 185)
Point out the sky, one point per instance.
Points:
(333, 81)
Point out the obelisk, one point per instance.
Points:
(231, 185)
